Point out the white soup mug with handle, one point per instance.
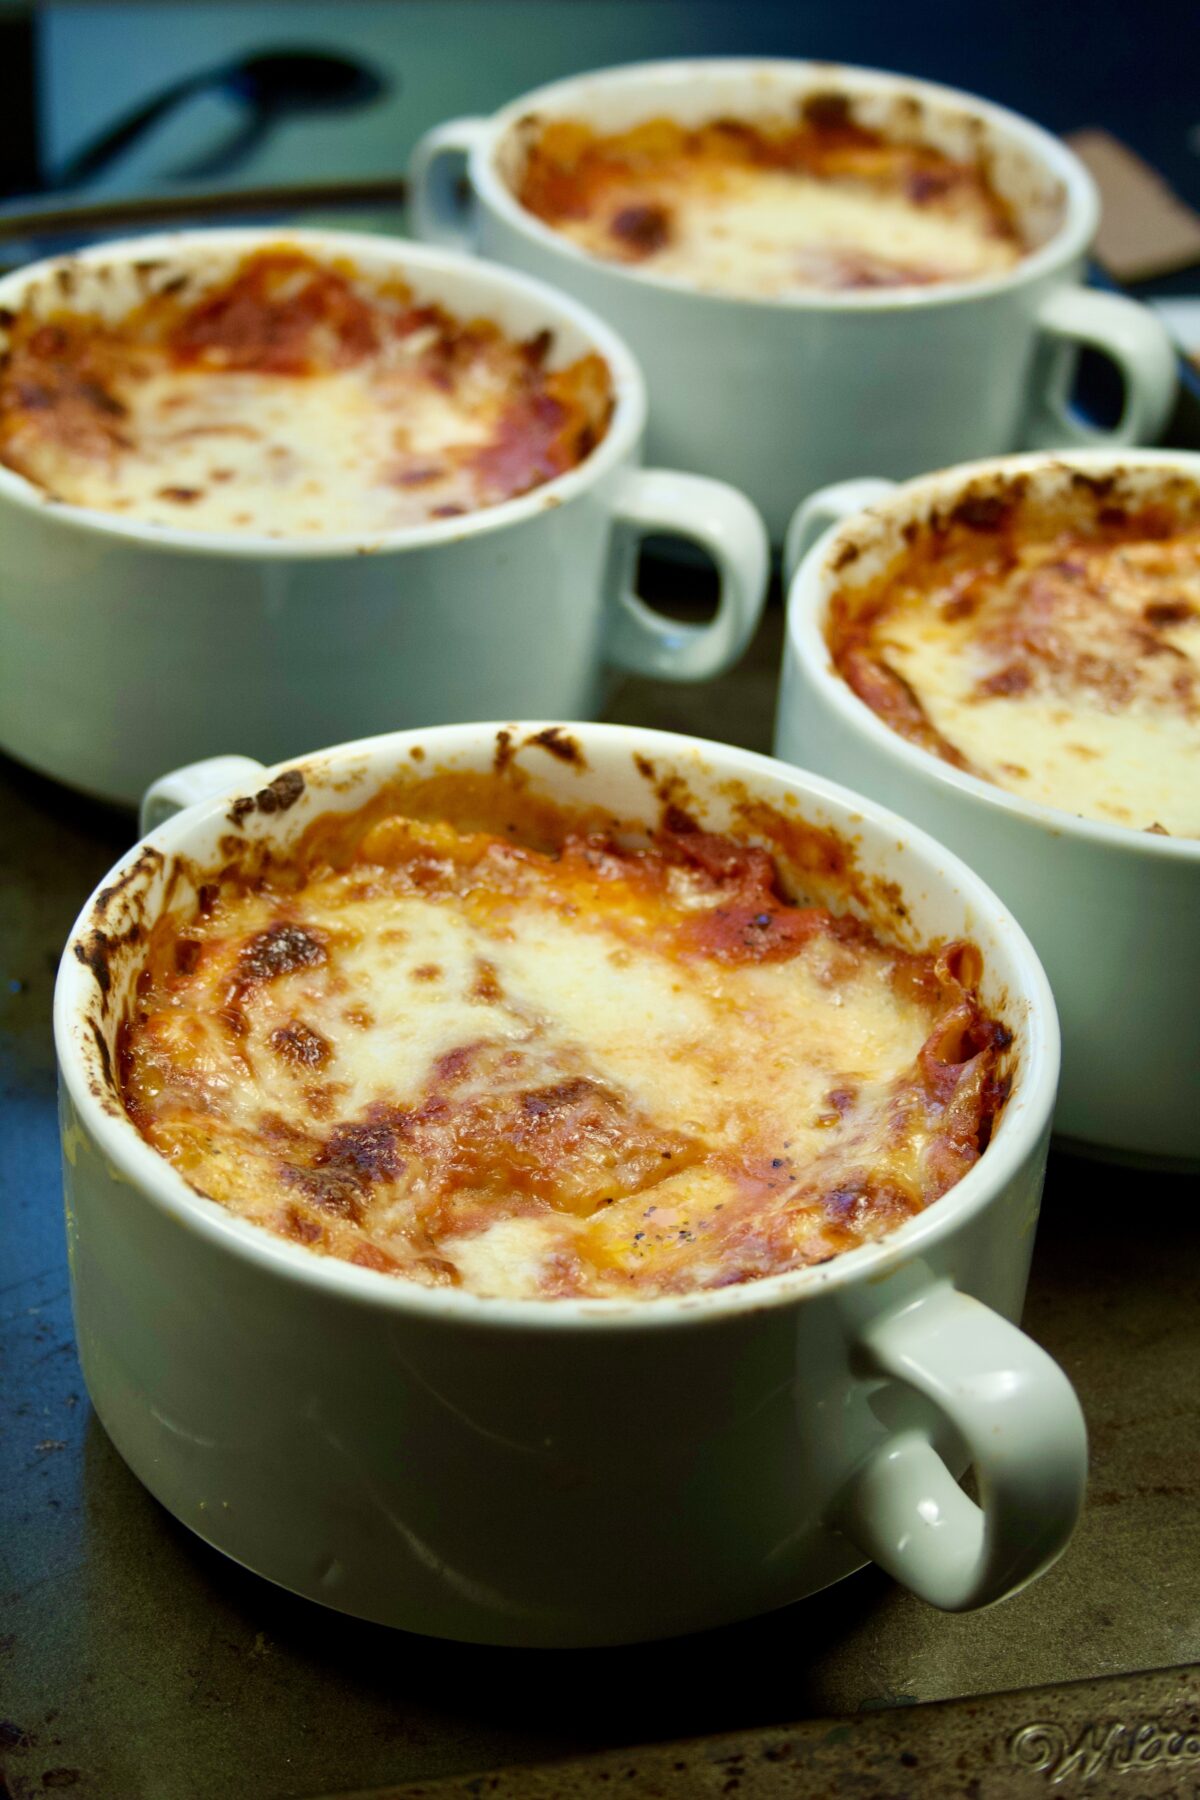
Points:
(779, 395)
(127, 647)
(572, 1471)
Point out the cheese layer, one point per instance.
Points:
(596, 1071)
(767, 211)
(1064, 667)
(293, 400)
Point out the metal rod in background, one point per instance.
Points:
(39, 220)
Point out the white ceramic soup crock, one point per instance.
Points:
(780, 395)
(1113, 912)
(126, 648)
(570, 1472)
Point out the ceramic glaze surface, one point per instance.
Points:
(780, 396)
(128, 647)
(571, 1472)
(1111, 911)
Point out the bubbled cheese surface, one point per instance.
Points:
(588, 1073)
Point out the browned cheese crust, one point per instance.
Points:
(1053, 650)
(294, 397)
(562, 1066)
(818, 200)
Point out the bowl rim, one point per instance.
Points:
(1024, 1124)
(625, 429)
(1081, 214)
(812, 585)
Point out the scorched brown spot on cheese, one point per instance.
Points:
(300, 1045)
(769, 207)
(1051, 646)
(644, 1067)
(280, 950)
(331, 403)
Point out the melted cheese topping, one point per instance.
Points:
(767, 211)
(294, 400)
(1064, 668)
(594, 1072)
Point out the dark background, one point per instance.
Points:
(67, 71)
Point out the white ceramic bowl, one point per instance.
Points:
(779, 395)
(1113, 912)
(570, 1472)
(128, 647)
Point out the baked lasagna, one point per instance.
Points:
(770, 208)
(555, 1061)
(1052, 648)
(291, 397)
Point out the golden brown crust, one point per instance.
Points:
(241, 1059)
(1081, 610)
(633, 182)
(83, 401)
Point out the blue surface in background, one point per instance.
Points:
(1129, 68)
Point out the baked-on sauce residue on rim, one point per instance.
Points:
(555, 1064)
(1050, 647)
(770, 207)
(294, 397)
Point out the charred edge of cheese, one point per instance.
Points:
(1054, 655)
(292, 399)
(770, 208)
(584, 1070)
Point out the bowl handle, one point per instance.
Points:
(1017, 1414)
(439, 194)
(1129, 335)
(192, 783)
(828, 506)
(724, 524)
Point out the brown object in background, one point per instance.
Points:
(1145, 228)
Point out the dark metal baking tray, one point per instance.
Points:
(137, 1664)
